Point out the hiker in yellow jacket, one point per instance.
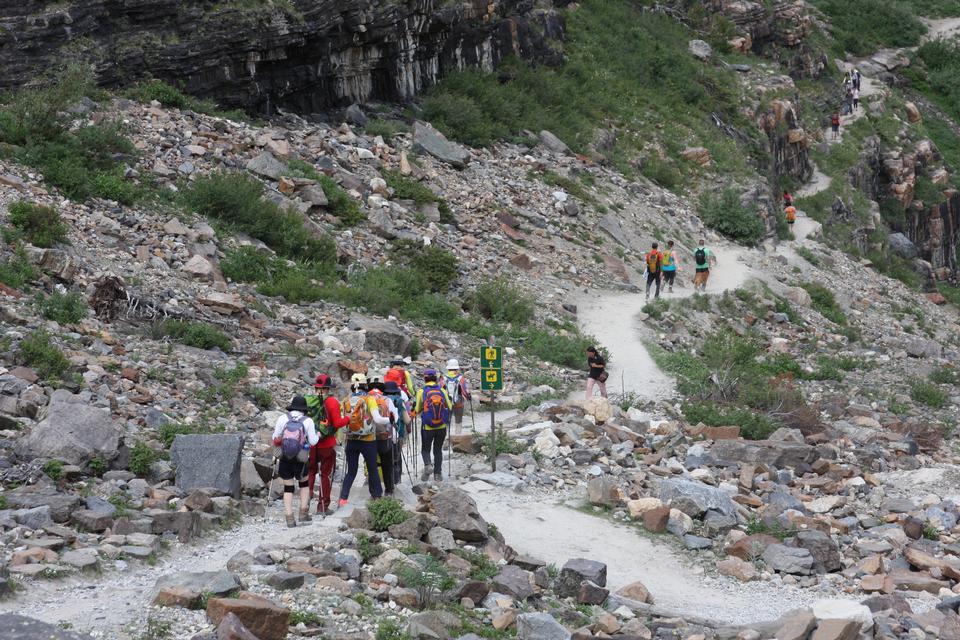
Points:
(434, 407)
(366, 412)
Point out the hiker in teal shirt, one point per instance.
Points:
(669, 265)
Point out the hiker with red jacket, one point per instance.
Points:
(654, 264)
(326, 414)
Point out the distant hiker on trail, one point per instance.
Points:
(400, 401)
(848, 102)
(434, 408)
(293, 436)
(365, 415)
(791, 213)
(670, 265)
(702, 257)
(787, 199)
(654, 268)
(855, 94)
(835, 125)
(458, 391)
(398, 373)
(597, 375)
(324, 410)
(386, 433)
(857, 79)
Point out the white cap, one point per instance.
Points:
(453, 365)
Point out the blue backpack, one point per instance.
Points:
(436, 413)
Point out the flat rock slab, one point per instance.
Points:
(16, 627)
(208, 461)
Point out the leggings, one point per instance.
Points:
(651, 278)
(385, 453)
(353, 450)
(434, 438)
(668, 276)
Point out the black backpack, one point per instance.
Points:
(701, 257)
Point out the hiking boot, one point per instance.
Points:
(425, 475)
(291, 522)
(343, 502)
(305, 516)
(671, 289)
(437, 477)
(328, 512)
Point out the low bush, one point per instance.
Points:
(53, 469)
(500, 301)
(141, 458)
(944, 375)
(193, 334)
(39, 225)
(386, 512)
(16, 271)
(825, 303)
(928, 394)
(339, 202)
(65, 308)
(38, 351)
(724, 213)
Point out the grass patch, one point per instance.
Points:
(16, 270)
(500, 301)
(168, 432)
(724, 213)
(38, 351)
(141, 458)
(867, 25)
(39, 225)
(53, 469)
(928, 394)
(170, 96)
(192, 334)
(406, 188)
(825, 303)
(339, 202)
(809, 256)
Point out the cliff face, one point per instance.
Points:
(261, 54)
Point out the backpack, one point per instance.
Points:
(700, 256)
(397, 375)
(361, 425)
(318, 413)
(791, 214)
(293, 438)
(401, 411)
(436, 413)
(383, 431)
(454, 388)
(653, 261)
(835, 120)
(668, 259)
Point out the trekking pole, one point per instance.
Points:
(473, 420)
(449, 454)
(276, 473)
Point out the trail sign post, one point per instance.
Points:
(491, 379)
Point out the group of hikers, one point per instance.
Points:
(662, 266)
(373, 422)
(851, 101)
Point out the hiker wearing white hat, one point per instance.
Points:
(458, 390)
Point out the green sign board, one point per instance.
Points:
(491, 368)
(491, 357)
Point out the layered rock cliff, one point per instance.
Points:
(263, 54)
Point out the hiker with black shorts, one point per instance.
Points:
(293, 436)
(597, 376)
(654, 264)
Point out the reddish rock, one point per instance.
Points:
(655, 520)
(751, 547)
(936, 298)
(178, 597)
(230, 628)
(261, 616)
(636, 591)
(130, 373)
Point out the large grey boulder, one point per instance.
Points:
(540, 626)
(267, 166)
(903, 246)
(514, 581)
(770, 454)
(788, 559)
(695, 498)
(208, 461)
(214, 583)
(823, 549)
(14, 626)
(552, 142)
(381, 335)
(59, 505)
(428, 140)
(72, 431)
(456, 511)
(700, 49)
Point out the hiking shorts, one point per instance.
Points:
(292, 469)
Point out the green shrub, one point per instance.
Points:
(928, 394)
(500, 301)
(193, 334)
(339, 202)
(39, 352)
(65, 308)
(724, 213)
(167, 95)
(53, 469)
(824, 302)
(386, 512)
(405, 188)
(944, 375)
(16, 271)
(113, 186)
(432, 581)
(40, 225)
(385, 128)
(433, 269)
(389, 629)
(661, 172)
(307, 618)
(97, 466)
(502, 443)
(564, 348)
(368, 549)
(261, 397)
(141, 458)
(235, 199)
(867, 25)
(808, 255)
(754, 425)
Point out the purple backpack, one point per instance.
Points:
(293, 438)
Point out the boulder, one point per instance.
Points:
(636, 591)
(823, 549)
(796, 626)
(216, 583)
(913, 113)
(695, 498)
(770, 454)
(788, 559)
(182, 597)
(72, 431)
(413, 528)
(576, 571)
(903, 246)
(267, 166)
(428, 140)
(798, 296)
(209, 460)
(231, 628)
(737, 568)
(603, 491)
(14, 626)
(834, 629)
(553, 143)
(540, 626)
(265, 619)
(656, 520)
(700, 49)
(515, 582)
(60, 505)
(384, 336)
(591, 593)
(456, 511)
